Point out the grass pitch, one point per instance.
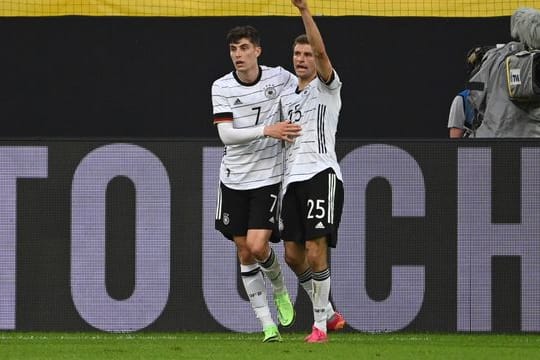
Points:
(188, 345)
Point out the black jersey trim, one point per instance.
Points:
(223, 117)
(245, 83)
(321, 114)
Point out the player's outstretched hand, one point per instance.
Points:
(300, 4)
(284, 130)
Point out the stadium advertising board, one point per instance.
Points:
(119, 237)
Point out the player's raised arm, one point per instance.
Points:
(322, 61)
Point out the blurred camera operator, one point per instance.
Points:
(506, 88)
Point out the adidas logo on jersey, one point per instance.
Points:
(272, 220)
(238, 102)
(320, 225)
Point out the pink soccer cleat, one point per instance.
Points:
(316, 336)
(336, 322)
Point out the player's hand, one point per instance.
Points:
(300, 4)
(284, 130)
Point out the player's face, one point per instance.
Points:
(304, 62)
(244, 55)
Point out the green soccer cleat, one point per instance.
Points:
(271, 334)
(285, 309)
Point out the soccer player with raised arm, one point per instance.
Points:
(246, 112)
(313, 199)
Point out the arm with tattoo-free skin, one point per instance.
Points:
(322, 61)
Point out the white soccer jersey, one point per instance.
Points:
(259, 162)
(316, 109)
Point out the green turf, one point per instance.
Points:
(188, 345)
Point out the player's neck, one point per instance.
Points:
(248, 76)
(303, 82)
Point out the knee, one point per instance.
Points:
(257, 243)
(292, 260)
(317, 258)
(259, 251)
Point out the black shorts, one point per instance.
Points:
(240, 210)
(312, 209)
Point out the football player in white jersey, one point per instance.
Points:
(246, 112)
(313, 199)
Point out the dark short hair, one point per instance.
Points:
(244, 32)
(300, 39)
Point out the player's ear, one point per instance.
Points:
(258, 50)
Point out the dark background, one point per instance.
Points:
(150, 77)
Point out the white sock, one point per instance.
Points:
(306, 281)
(272, 270)
(329, 311)
(256, 291)
(321, 294)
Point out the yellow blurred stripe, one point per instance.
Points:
(427, 8)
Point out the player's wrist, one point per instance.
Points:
(264, 132)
